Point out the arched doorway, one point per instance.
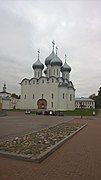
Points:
(42, 104)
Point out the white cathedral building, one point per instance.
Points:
(54, 90)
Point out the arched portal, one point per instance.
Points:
(42, 104)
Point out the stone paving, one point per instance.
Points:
(77, 159)
(37, 143)
(17, 123)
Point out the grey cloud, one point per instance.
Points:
(26, 26)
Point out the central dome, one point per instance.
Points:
(49, 58)
(56, 61)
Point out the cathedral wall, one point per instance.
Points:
(58, 98)
(62, 100)
(71, 99)
(25, 95)
(42, 89)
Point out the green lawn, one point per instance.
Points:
(77, 112)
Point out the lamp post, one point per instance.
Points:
(81, 105)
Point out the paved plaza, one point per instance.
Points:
(77, 159)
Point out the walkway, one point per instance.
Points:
(77, 159)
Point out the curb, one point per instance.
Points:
(42, 156)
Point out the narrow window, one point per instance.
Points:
(42, 96)
(63, 95)
(35, 73)
(54, 71)
(52, 95)
(57, 72)
(25, 82)
(42, 80)
(33, 96)
(52, 104)
(70, 97)
(25, 96)
(33, 81)
(52, 80)
(38, 73)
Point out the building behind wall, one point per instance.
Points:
(54, 90)
(7, 101)
(86, 102)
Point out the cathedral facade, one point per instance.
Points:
(51, 91)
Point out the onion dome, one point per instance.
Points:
(45, 71)
(56, 60)
(38, 64)
(65, 67)
(51, 56)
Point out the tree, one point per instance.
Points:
(15, 96)
(93, 96)
(98, 99)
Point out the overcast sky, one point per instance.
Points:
(75, 26)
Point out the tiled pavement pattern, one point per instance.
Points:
(77, 159)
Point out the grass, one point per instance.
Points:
(77, 112)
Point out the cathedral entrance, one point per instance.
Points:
(42, 104)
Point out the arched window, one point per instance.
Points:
(52, 95)
(57, 72)
(42, 80)
(70, 97)
(33, 96)
(52, 80)
(63, 95)
(25, 82)
(54, 71)
(25, 96)
(52, 104)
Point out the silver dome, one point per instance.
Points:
(49, 58)
(56, 61)
(38, 65)
(65, 67)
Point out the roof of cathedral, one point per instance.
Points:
(38, 64)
